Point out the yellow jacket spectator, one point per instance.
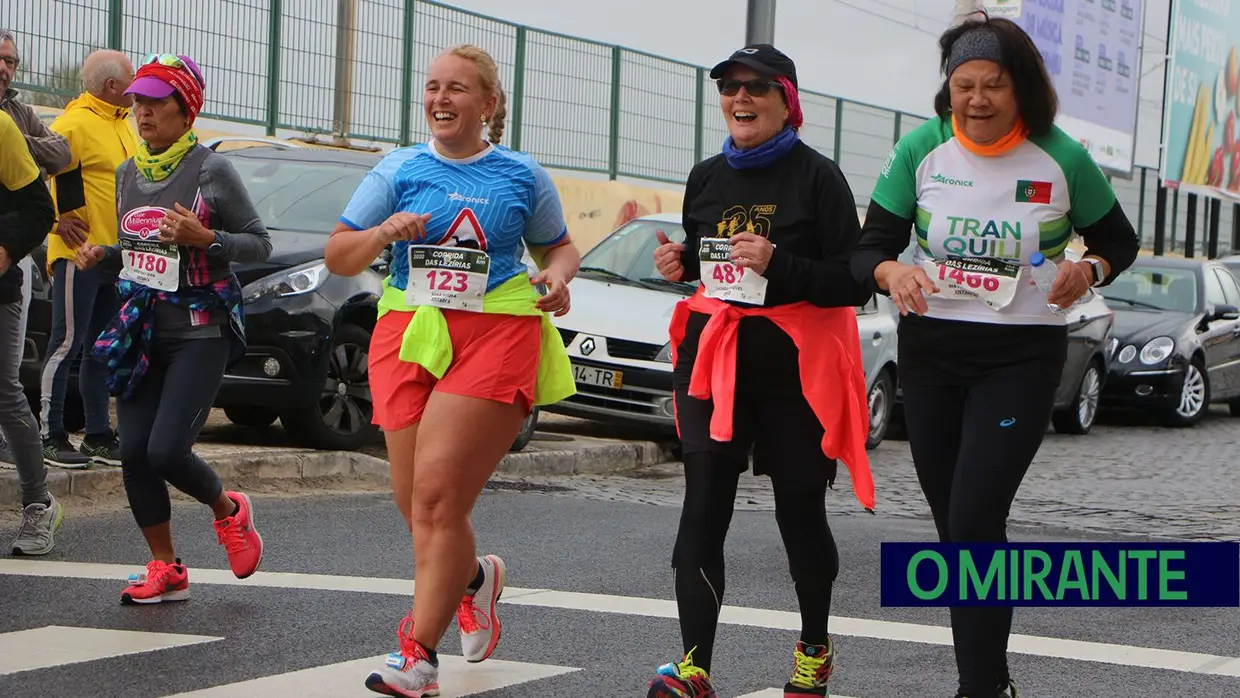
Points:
(100, 136)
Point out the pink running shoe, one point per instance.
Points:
(410, 672)
(240, 538)
(477, 616)
(161, 582)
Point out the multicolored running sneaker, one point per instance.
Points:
(477, 616)
(681, 680)
(161, 582)
(410, 672)
(812, 667)
(240, 538)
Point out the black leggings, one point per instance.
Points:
(786, 440)
(971, 448)
(159, 423)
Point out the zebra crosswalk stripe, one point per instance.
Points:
(58, 645)
(345, 679)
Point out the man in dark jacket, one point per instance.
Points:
(26, 214)
(50, 152)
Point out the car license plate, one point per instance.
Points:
(603, 377)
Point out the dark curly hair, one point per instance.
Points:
(1036, 100)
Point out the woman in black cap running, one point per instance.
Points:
(767, 357)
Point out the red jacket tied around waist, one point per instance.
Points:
(831, 370)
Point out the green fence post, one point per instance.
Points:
(839, 128)
(613, 158)
(275, 16)
(518, 88)
(895, 136)
(699, 124)
(116, 23)
(406, 75)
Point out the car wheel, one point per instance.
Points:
(528, 427)
(340, 420)
(1194, 398)
(247, 416)
(1079, 417)
(881, 399)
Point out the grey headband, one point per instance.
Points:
(976, 44)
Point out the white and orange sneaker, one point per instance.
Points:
(161, 582)
(477, 616)
(409, 673)
(240, 538)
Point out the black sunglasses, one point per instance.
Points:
(759, 87)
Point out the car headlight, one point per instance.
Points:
(290, 282)
(665, 354)
(1157, 350)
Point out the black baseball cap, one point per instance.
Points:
(764, 58)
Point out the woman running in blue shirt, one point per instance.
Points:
(463, 348)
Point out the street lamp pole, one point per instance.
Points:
(760, 22)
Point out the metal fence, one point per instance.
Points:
(354, 68)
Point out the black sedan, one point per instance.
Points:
(308, 330)
(1177, 326)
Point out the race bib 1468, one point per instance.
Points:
(991, 281)
(146, 260)
(447, 277)
(724, 279)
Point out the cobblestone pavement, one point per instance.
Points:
(1123, 478)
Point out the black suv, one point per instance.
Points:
(308, 330)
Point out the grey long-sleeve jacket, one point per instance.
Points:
(50, 150)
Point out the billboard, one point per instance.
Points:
(1201, 152)
(1092, 50)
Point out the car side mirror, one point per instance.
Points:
(1223, 311)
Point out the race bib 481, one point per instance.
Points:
(453, 278)
(724, 279)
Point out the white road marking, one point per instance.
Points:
(1077, 650)
(56, 645)
(456, 678)
(775, 693)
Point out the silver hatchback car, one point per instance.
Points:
(617, 334)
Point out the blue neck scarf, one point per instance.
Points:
(762, 155)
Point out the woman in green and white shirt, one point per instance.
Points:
(981, 189)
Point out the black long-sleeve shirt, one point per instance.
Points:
(802, 203)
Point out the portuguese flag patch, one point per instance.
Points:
(1031, 192)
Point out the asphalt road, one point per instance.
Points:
(552, 541)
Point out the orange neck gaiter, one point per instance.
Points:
(1015, 137)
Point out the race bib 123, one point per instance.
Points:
(447, 277)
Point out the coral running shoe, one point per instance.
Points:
(477, 616)
(681, 680)
(812, 666)
(240, 538)
(161, 582)
(410, 672)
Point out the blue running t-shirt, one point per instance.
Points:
(494, 201)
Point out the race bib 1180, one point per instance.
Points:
(724, 279)
(991, 281)
(453, 278)
(145, 259)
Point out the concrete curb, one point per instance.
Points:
(236, 467)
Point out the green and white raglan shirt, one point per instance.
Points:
(976, 218)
